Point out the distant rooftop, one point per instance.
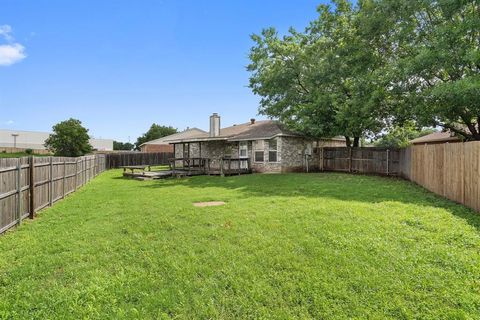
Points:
(436, 137)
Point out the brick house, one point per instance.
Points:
(259, 146)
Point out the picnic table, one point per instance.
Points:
(133, 168)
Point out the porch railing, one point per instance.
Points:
(222, 166)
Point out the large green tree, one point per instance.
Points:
(69, 139)
(155, 132)
(324, 81)
(434, 48)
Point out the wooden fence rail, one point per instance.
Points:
(451, 170)
(30, 184)
(115, 160)
(362, 160)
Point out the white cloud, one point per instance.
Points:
(5, 31)
(9, 122)
(11, 52)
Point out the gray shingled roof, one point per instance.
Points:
(265, 129)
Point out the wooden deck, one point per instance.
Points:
(194, 167)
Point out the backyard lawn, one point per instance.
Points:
(323, 246)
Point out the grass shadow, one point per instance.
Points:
(340, 186)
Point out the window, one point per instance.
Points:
(186, 150)
(259, 151)
(272, 150)
(243, 149)
(259, 156)
(228, 151)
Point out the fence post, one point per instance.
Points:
(388, 162)
(76, 173)
(31, 187)
(350, 159)
(64, 177)
(51, 183)
(84, 166)
(322, 159)
(19, 191)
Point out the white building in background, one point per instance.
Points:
(36, 140)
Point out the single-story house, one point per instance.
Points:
(436, 137)
(259, 146)
(18, 141)
(162, 144)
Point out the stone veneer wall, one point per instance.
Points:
(290, 156)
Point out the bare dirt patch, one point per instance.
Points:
(208, 204)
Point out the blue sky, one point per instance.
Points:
(119, 66)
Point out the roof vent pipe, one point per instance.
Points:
(214, 125)
(252, 121)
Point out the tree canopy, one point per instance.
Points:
(126, 146)
(400, 136)
(358, 69)
(155, 132)
(69, 139)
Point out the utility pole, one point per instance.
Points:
(15, 135)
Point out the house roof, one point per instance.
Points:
(180, 135)
(265, 129)
(435, 137)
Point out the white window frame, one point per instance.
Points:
(258, 146)
(243, 146)
(273, 150)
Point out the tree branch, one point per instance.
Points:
(457, 131)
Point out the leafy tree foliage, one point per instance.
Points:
(359, 69)
(127, 146)
(436, 60)
(323, 82)
(155, 132)
(400, 136)
(69, 139)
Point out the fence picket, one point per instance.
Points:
(38, 182)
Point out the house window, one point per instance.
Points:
(243, 149)
(186, 150)
(272, 151)
(259, 151)
(228, 151)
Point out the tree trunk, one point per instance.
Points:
(348, 141)
(356, 142)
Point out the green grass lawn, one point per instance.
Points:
(323, 246)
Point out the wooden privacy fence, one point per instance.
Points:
(361, 160)
(115, 160)
(451, 170)
(30, 184)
